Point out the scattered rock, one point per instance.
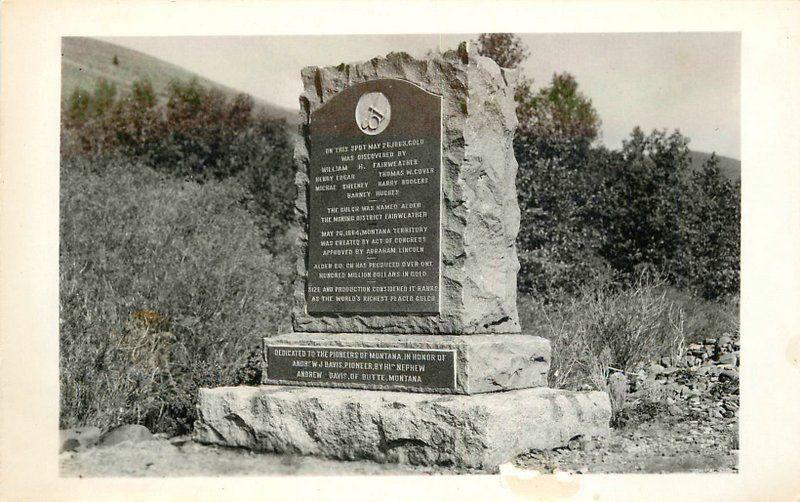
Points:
(180, 440)
(729, 358)
(132, 432)
(728, 374)
(618, 388)
(78, 438)
(704, 369)
(696, 350)
(588, 444)
(70, 444)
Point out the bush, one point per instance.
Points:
(164, 286)
(592, 215)
(601, 331)
(706, 318)
(198, 134)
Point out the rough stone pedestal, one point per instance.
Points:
(478, 432)
(484, 363)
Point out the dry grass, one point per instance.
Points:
(165, 286)
(601, 332)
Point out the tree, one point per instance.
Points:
(708, 261)
(78, 107)
(558, 112)
(558, 248)
(105, 94)
(115, 61)
(506, 49)
(143, 94)
(136, 121)
(642, 201)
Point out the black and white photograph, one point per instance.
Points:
(453, 255)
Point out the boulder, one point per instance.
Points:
(729, 358)
(78, 438)
(690, 361)
(618, 388)
(724, 341)
(133, 433)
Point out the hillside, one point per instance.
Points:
(84, 60)
(731, 168)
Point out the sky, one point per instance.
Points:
(684, 81)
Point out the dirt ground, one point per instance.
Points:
(654, 447)
(660, 446)
(162, 457)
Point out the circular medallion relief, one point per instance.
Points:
(373, 113)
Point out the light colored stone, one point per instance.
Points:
(132, 432)
(484, 363)
(729, 358)
(480, 214)
(78, 438)
(480, 431)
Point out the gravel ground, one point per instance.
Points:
(182, 457)
(655, 447)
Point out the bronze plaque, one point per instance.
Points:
(432, 369)
(375, 201)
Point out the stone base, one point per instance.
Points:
(478, 432)
(483, 363)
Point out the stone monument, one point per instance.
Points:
(406, 342)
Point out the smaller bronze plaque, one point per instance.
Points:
(363, 367)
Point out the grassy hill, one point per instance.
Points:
(730, 168)
(84, 60)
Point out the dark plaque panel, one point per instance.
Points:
(375, 201)
(429, 368)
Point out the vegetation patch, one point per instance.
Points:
(165, 287)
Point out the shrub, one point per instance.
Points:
(588, 212)
(164, 288)
(601, 331)
(198, 134)
(706, 318)
(708, 261)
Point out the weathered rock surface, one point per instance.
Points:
(484, 363)
(131, 432)
(479, 431)
(78, 438)
(480, 215)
